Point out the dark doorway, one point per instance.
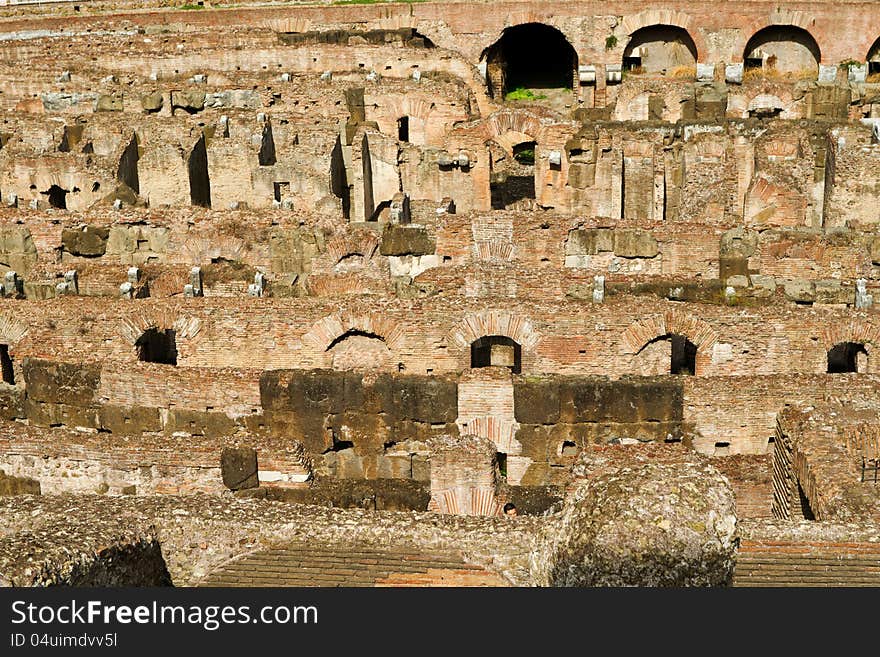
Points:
(513, 179)
(266, 156)
(530, 56)
(403, 128)
(199, 182)
(158, 346)
(6, 365)
(339, 178)
(57, 197)
(498, 351)
(844, 357)
(684, 355)
(127, 172)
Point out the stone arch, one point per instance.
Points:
(661, 48)
(475, 325)
(204, 249)
(358, 350)
(186, 327)
(778, 18)
(784, 49)
(854, 331)
(328, 330)
(698, 333)
(666, 17)
(11, 332)
(417, 111)
(643, 331)
(873, 58)
(361, 243)
(518, 121)
(531, 54)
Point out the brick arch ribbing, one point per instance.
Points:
(133, 327)
(643, 331)
(325, 331)
(411, 106)
(512, 120)
(363, 243)
(494, 322)
(857, 331)
(11, 330)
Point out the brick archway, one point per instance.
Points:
(644, 331)
(362, 243)
(133, 327)
(11, 330)
(663, 17)
(475, 325)
(855, 331)
(777, 18)
(325, 331)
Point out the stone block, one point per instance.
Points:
(199, 423)
(535, 401)
(400, 240)
(831, 291)
(68, 383)
(152, 102)
(190, 100)
(109, 103)
(129, 420)
(88, 242)
(238, 467)
(635, 244)
(800, 291)
(589, 241)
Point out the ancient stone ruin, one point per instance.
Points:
(293, 285)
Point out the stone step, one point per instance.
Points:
(351, 565)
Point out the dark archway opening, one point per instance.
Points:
(157, 346)
(661, 49)
(266, 156)
(199, 182)
(339, 186)
(844, 357)
(6, 367)
(513, 179)
(874, 62)
(383, 207)
(530, 56)
(354, 332)
(127, 173)
(57, 197)
(496, 351)
(367, 168)
(782, 50)
(403, 128)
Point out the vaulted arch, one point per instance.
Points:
(326, 331)
(643, 331)
(134, 326)
(475, 325)
(529, 55)
(664, 17)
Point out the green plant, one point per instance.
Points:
(846, 63)
(190, 7)
(610, 42)
(525, 156)
(520, 93)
